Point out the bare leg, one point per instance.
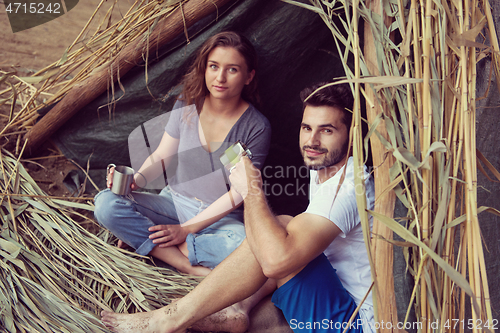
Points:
(184, 249)
(235, 318)
(236, 278)
(249, 303)
(139, 322)
(176, 256)
(173, 256)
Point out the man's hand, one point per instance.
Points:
(168, 235)
(245, 178)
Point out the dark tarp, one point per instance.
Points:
(295, 49)
(488, 143)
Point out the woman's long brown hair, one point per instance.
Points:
(194, 87)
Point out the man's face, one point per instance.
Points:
(324, 138)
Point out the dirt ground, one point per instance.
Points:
(35, 48)
(28, 51)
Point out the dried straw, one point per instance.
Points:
(56, 275)
(426, 87)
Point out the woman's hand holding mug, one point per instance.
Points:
(122, 179)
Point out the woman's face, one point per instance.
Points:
(227, 73)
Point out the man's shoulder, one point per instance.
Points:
(365, 174)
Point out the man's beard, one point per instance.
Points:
(329, 159)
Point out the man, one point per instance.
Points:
(302, 253)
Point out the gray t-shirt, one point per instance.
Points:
(195, 172)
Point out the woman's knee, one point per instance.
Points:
(107, 208)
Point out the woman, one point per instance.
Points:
(214, 111)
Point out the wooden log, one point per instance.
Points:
(86, 91)
(382, 251)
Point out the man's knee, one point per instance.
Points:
(284, 219)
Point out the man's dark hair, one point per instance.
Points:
(338, 96)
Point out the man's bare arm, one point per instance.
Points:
(280, 251)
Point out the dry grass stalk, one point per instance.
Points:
(57, 275)
(430, 125)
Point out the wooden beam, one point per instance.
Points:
(382, 251)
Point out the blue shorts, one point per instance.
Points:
(129, 217)
(315, 300)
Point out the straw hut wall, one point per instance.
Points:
(424, 71)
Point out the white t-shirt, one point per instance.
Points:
(347, 253)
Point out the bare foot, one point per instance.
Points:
(154, 321)
(122, 245)
(231, 319)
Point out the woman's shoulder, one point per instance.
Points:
(181, 114)
(255, 116)
(179, 104)
(181, 108)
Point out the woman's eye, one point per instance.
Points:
(214, 67)
(233, 70)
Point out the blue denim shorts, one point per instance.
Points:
(129, 217)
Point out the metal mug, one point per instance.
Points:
(122, 179)
(233, 154)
